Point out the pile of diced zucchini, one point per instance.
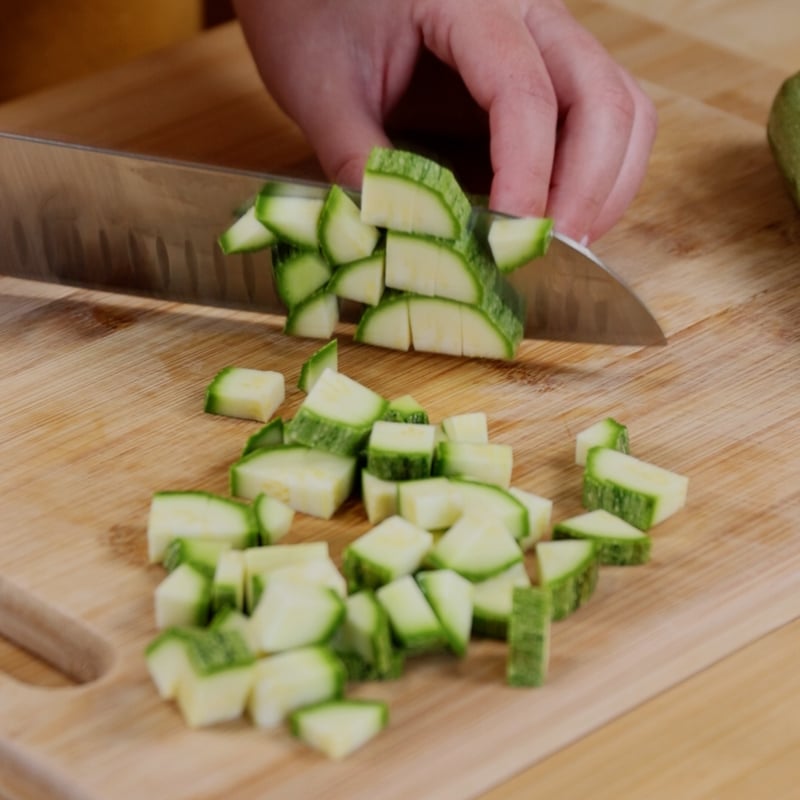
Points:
(427, 269)
(250, 624)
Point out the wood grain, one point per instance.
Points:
(102, 407)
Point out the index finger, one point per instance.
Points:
(492, 50)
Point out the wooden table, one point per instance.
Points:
(705, 703)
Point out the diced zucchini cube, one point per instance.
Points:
(183, 598)
(489, 463)
(529, 636)
(492, 601)
(398, 451)
(568, 569)
(379, 497)
(450, 597)
(605, 433)
(227, 588)
(540, 514)
(274, 518)
(616, 542)
(245, 393)
(469, 427)
(413, 621)
(430, 503)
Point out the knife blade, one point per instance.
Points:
(104, 219)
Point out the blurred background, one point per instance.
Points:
(45, 42)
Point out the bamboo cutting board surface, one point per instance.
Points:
(103, 399)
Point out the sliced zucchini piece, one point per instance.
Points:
(391, 549)
(183, 598)
(489, 463)
(290, 615)
(366, 634)
(430, 503)
(245, 393)
(469, 427)
(379, 497)
(450, 597)
(637, 491)
(293, 679)
(167, 658)
(315, 317)
(528, 636)
(435, 325)
(229, 619)
(261, 560)
(290, 213)
(404, 191)
(477, 497)
(605, 433)
(343, 235)
(274, 518)
(197, 515)
(515, 241)
(386, 324)
(339, 727)
(492, 601)
(317, 571)
(406, 409)
(312, 481)
(490, 333)
(298, 274)
(202, 554)
(219, 679)
(414, 623)
(361, 281)
(617, 542)
(337, 415)
(271, 434)
(477, 546)
(540, 514)
(227, 587)
(246, 235)
(568, 569)
(326, 357)
(399, 451)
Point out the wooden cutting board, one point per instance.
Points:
(103, 406)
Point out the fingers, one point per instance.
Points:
(491, 48)
(607, 129)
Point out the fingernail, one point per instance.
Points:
(584, 242)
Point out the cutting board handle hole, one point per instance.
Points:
(42, 646)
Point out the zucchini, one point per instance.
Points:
(528, 636)
(314, 482)
(492, 601)
(489, 463)
(290, 615)
(293, 679)
(515, 241)
(398, 451)
(290, 213)
(450, 597)
(326, 357)
(274, 518)
(246, 235)
(197, 515)
(430, 503)
(540, 513)
(361, 281)
(490, 331)
(298, 274)
(218, 681)
(227, 587)
(406, 409)
(314, 317)
(183, 598)
(202, 554)
(568, 569)
(366, 635)
(604, 433)
(343, 235)
(245, 393)
(266, 436)
(167, 658)
(316, 571)
(391, 549)
(230, 619)
(339, 727)
(477, 547)
(617, 542)
(638, 492)
(336, 415)
(435, 325)
(404, 191)
(414, 623)
(476, 497)
(470, 427)
(386, 324)
(379, 497)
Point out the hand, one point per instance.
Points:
(570, 130)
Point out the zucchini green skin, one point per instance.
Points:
(268, 436)
(570, 592)
(315, 431)
(528, 637)
(616, 552)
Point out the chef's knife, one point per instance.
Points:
(115, 221)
